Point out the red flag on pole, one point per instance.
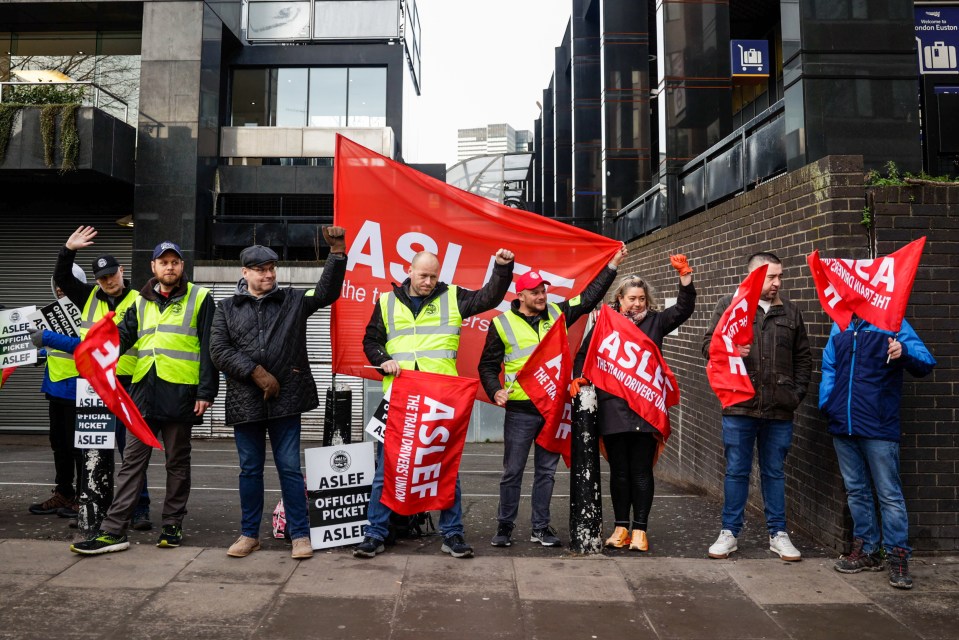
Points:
(545, 378)
(875, 290)
(96, 359)
(425, 431)
(6, 374)
(392, 211)
(726, 370)
(623, 361)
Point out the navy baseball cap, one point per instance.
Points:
(163, 247)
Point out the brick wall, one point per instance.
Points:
(817, 207)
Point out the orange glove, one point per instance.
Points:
(575, 384)
(680, 264)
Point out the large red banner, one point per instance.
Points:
(875, 290)
(726, 370)
(623, 361)
(391, 212)
(96, 360)
(545, 378)
(425, 431)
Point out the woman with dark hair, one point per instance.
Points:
(632, 444)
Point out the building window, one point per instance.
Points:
(309, 97)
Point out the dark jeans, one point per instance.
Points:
(519, 434)
(631, 485)
(132, 476)
(285, 443)
(143, 504)
(67, 460)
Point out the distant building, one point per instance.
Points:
(491, 139)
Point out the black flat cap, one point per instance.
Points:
(257, 255)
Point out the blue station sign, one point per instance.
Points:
(937, 38)
(749, 58)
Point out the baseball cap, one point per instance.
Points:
(530, 280)
(257, 255)
(165, 246)
(105, 266)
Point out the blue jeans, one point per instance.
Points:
(451, 520)
(519, 434)
(251, 447)
(740, 435)
(866, 463)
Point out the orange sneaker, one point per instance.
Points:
(619, 539)
(639, 542)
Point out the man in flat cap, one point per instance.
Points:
(259, 343)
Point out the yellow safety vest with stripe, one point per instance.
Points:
(428, 341)
(521, 340)
(60, 365)
(169, 339)
(93, 312)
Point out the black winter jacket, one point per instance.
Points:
(469, 302)
(615, 414)
(494, 351)
(779, 363)
(270, 331)
(157, 399)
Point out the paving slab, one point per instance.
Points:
(338, 575)
(849, 622)
(140, 567)
(54, 612)
(811, 581)
(213, 565)
(12, 584)
(929, 574)
(296, 616)
(678, 576)
(714, 618)
(544, 620)
(484, 576)
(470, 615)
(591, 579)
(33, 556)
(932, 615)
(188, 604)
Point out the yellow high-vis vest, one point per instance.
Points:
(170, 339)
(93, 312)
(60, 365)
(429, 341)
(521, 340)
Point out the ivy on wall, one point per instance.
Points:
(56, 102)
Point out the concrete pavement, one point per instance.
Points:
(413, 590)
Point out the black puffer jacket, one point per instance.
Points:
(270, 331)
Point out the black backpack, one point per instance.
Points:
(414, 526)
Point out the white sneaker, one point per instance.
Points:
(724, 545)
(781, 544)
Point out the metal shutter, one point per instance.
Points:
(222, 281)
(29, 243)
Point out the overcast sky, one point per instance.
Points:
(483, 63)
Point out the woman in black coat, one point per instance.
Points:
(631, 443)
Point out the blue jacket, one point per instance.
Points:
(860, 393)
(63, 389)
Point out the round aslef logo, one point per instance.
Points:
(102, 262)
(340, 461)
(15, 316)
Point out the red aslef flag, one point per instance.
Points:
(726, 370)
(545, 378)
(623, 361)
(6, 374)
(391, 211)
(96, 360)
(875, 290)
(425, 430)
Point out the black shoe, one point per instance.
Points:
(51, 505)
(368, 548)
(857, 560)
(898, 560)
(546, 537)
(456, 546)
(141, 520)
(103, 542)
(71, 511)
(170, 536)
(503, 537)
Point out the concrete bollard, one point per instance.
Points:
(586, 505)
